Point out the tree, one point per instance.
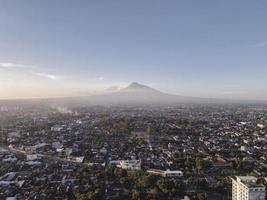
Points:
(91, 195)
(153, 193)
(200, 196)
(136, 195)
(120, 172)
(146, 181)
(79, 196)
(126, 182)
(165, 186)
(94, 195)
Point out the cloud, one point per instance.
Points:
(29, 69)
(46, 75)
(9, 65)
(100, 78)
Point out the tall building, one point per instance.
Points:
(246, 188)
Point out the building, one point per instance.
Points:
(246, 188)
(167, 173)
(130, 164)
(31, 157)
(261, 126)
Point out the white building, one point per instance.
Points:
(130, 164)
(13, 136)
(57, 128)
(78, 159)
(246, 188)
(176, 173)
(103, 150)
(261, 126)
(31, 157)
(167, 173)
(56, 145)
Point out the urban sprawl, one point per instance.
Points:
(185, 152)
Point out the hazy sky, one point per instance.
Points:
(208, 48)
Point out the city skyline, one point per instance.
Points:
(205, 49)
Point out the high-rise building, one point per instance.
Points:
(246, 188)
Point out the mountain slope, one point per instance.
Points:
(138, 87)
(137, 93)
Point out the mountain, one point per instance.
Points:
(137, 93)
(133, 87)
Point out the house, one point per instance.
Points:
(167, 173)
(130, 164)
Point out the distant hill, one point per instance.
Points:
(137, 93)
(134, 94)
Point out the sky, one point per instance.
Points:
(207, 48)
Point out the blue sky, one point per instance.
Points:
(207, 48)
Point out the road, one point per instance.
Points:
(106, 168)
